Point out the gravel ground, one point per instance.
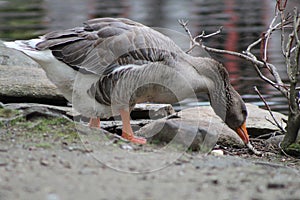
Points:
(44, 159)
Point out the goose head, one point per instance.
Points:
(236, 114)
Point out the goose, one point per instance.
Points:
(108, 65)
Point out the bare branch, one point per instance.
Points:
(247, 55)
(296, 23)
(196, 41)
(280, 4)
(192, 39)
(209, 35)
(184, 25)
(257, 65)
(253, 44)
(268, 36)
(269, 109)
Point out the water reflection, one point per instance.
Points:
(243, 21)
(20, 19)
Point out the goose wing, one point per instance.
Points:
(104, 45)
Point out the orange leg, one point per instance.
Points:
(94, 122)
(127, 132)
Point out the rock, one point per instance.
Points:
(204, 127)
(278, 185)
(206, 118)
(52, 196)
(196, 128)
(275, 141)
(29, 84)
(217, 152)
(3, 162)
(42, 108)
(257, 123)
(29, 81)
(44, 162)
(151, 111)
(178, 132)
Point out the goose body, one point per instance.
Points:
(108, 65)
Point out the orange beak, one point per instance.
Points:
(243, 133)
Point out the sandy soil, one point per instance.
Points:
(45, 159)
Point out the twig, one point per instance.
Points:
(281, 5)
(256, 64)
(267, 37)
(269, 109)
(192, 39)
(270, 164)
(184, 25)
(212, 34)
(273, 134)
(258, 153)
(197, 40)
(270, 121)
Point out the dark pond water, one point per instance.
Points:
(243, 22)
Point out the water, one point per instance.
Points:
(243, 22)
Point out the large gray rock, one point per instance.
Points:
(151, 111)
(196, 128)
(200, 127)
(21, 79)
(258, 121)
(27, 83)
(180, 133)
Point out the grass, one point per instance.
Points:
(42, 132)
(8, 113)
(44, 145)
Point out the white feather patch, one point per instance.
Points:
(131, 66)
(23, 44)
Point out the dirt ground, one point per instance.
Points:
(52, 159)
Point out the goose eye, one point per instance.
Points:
(244, 112)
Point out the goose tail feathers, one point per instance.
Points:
(23, 45)
(29, 48)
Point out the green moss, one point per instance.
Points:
(293, 149)
(8, 113)
(44, 145)
(42, 131)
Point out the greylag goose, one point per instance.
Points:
(108, 65)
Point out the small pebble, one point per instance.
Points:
(53, 196)
(66, 164)
(3, 163)
(126, 147)
(44, 162)
(217, 152)
(3, 150)
(275, 185)
(181, 173)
